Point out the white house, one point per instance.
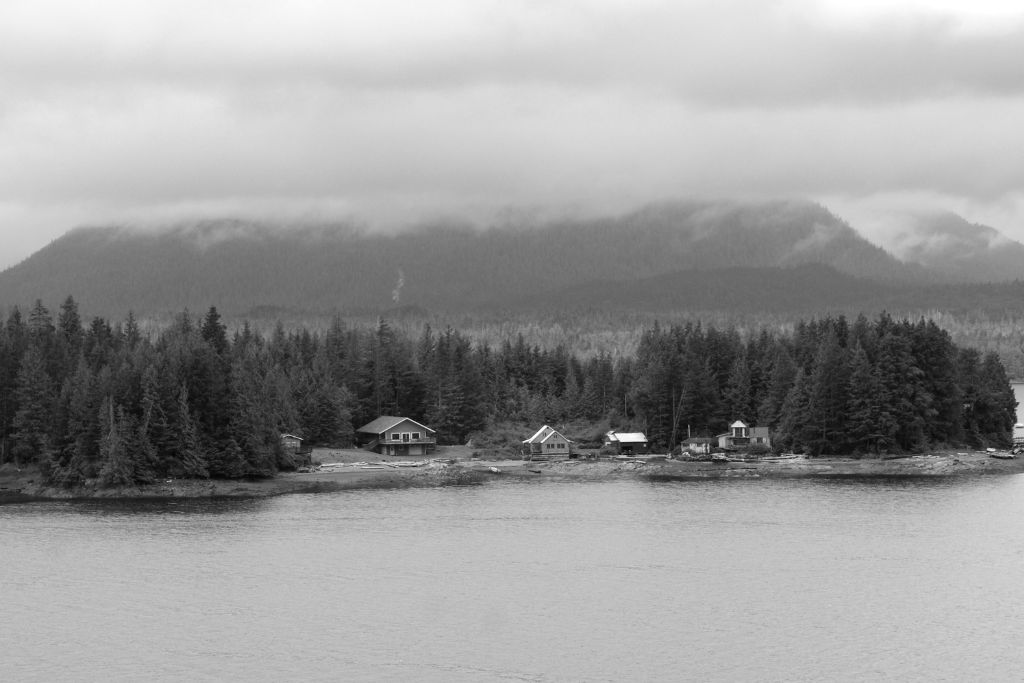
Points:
(547, 442)
(742, 436)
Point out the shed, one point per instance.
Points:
(626, 443)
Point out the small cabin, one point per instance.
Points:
(296, 447)
(401, 436)
(626, 443)
(547, 443)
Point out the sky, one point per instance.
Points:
(397, 112)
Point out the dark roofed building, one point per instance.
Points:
(390, 435)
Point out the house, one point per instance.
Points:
(626, 443)
(547, 443)
(701, 445)
(294, 446)
(389, 435)
(742, 436)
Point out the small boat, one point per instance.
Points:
(1003, 455)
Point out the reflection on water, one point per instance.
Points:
(841, 579)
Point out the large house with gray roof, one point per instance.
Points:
(389, 435)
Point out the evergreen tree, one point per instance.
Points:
(901, 384)
(213, 331)
(78, 425)
(997, 405)
(825, 415)
(869, 427)
(117, 467)
(130, 332)
(738, 395)
(35, 400)
(190, 450)
(780, 382)
(793, 432)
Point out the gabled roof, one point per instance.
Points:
(386, 422)
(543, 434)
(539, 433)
(627, 437)
(292, 436)
(738, 423)
(554, 433)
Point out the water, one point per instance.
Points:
(620, 580)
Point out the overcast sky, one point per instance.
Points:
(395, 110)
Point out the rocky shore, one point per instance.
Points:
(27, 485)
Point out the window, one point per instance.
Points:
(415, 435)
(396, 436)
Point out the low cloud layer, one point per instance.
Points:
(396, 112)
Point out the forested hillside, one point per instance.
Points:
(102, 401)
(322, 269)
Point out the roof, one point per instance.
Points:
(543, 434)
(537, 434)
(554, 433)
(738, 423)
(386, 422)
(627, 437)
(292, 436)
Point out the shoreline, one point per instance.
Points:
(22, 487)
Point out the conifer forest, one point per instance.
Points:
(104, 401)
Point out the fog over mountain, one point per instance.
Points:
(724, 255)
(950, 244)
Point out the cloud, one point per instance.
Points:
(723, 52)
(392, 112)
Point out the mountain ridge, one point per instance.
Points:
(242, 266)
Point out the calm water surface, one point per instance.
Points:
(611, 581)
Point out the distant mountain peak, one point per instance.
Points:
(947, 242)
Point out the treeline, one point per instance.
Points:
(829, 387)
(105, 402)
